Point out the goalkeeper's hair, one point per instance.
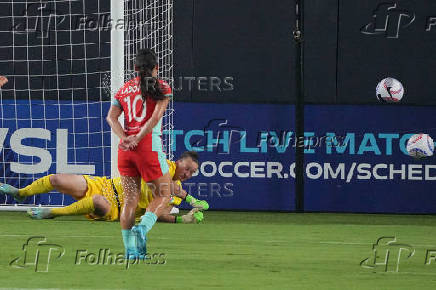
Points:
(192, 154)
(146, 61)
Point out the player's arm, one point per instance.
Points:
(3, 81)
(112, 119)
(157, 115)
(195, 216)
(178, 190)
(195, 203)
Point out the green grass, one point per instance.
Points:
(230, 250)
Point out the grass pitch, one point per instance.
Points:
(230, 250)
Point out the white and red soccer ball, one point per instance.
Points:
(420, 146)
(389, 90)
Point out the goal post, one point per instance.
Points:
(149, 24)
(117, 70)
(142, 24)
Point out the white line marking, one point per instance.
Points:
(30, 235)
(371, 243)
(343, 243)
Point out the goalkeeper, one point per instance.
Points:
(101, 198)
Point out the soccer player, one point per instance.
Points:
(143, 100)
(3, 81)
(101, 198)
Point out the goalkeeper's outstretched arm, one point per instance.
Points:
(195, 203)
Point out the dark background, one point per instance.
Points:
(43, 50)
(248, 40)
(252, 42)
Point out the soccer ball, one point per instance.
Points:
(420, 145)
(389, 90)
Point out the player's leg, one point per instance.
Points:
(194, 216)
(131, 188)
(96, 204)
(166, 217)
(159, 205)
(75, 186)
(12, 191)
(70, 184)
(41, 185)
(131, 184)
(96, 199)
(81, 207)
(154, 170)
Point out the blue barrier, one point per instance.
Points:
(355, 157)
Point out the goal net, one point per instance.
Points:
(58, 56)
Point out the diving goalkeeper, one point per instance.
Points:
(101, 198)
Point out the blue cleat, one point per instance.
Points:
(134, 245)
(11, 191)
(133, 254)
(141, 239)
(39, 213)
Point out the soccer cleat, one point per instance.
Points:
(141, 240)
(133, 254)
(11, 191)
(200, 204)
(195, 216)
(39, 213)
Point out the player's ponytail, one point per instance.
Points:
(146, 61)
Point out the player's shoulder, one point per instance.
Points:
(131, 86)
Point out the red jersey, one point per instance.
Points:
(148, 159)
(136, 113)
